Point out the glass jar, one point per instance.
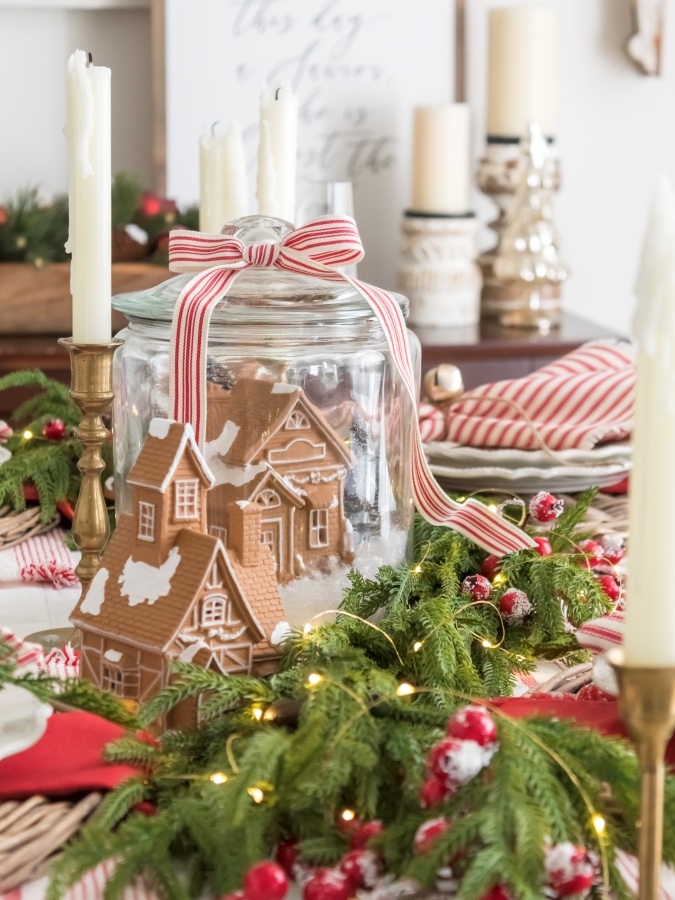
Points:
(328, 464)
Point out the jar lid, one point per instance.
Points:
(259, 295)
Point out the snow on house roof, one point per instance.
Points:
(259, 408)
(162, 452)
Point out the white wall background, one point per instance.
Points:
(36, 40)
(617, 127)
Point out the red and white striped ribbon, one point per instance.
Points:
(315, 250)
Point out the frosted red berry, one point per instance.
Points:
(327, 884)
(361, 868)
(287, 855)
(365, 833)
(54, 430)
(428, 833)
(473, 723)
(477, 587)
(614, 549)
(610, 587)
(594, 554)
(544, 507)
(515, 606)
(265, 881)
(570, 870)
(543, 547)
(433, 792)
(491, 566)
(498, 892)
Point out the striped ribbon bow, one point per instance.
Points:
(315, 249)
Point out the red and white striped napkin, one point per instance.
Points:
(43, 559)
(574, 403)
(600, 635)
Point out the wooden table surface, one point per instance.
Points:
(484, 353)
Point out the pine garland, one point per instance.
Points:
(50, 467)
(35, 231)
(334, 729)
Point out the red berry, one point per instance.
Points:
(434, 791)
(365, 833)
(515, 606)
(473, 723)
(477, 587)
(610, 587)
(498, 892)
(287, 855)
(543, 547)
(361, 868)
(54, 430)
(592, 692)
(593, 552)
(490, 566)
(265, 881)
(327, 884)
(570, 870)
(614, 549)
(348, 822)
(428, 833)
(544, 507)
(151, 204)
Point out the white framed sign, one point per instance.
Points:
(358, 68)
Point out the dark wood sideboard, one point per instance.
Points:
(484, 353)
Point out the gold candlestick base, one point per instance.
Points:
(91, 391)
(647, 703)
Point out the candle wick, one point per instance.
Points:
(276, 93)
(213, 128)
(90, 59)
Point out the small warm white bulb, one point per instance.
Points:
(256, 794)
(219, 778)
(27, 435)
(487, 644)
(257, 713)
(405, 689)
(417, 570)
(417, 646)
(348, 815)
(314, 678)
(598, 823)
(307, 628)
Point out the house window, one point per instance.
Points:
(219, 532)
(267, 538)
(268, 499)
(213, 611)
(146, 521)
(318, 528)
(296, 421)
(187, 499)
(120, 682)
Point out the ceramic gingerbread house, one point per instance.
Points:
(168, 590)
(267, 445)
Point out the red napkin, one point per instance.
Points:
(66, 760)
(576, 402)
(601, 715)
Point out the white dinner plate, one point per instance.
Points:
(459, 456)
(530, 479)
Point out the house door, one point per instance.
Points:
(272, 535)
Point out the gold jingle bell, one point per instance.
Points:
(444, 384)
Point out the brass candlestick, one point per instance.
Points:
(647, 703)
(92, 391)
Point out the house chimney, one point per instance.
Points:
(243, 532)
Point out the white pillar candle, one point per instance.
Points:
(277, 153)
(223, 185)
(649, 636)
(522, 70)
(90, 176)
(441, 159)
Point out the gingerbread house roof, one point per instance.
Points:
(242, 420)
(163, 449)
(146, 606)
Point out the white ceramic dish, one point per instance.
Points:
(529, 479)
(472, 457)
